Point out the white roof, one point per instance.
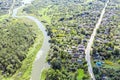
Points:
(27, 1)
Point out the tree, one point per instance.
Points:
(54, 75)
(55, 63)
(116, 51)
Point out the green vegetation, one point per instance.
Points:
(106, 48)
(14, 44)
(43, 76)
(3, 17)
(69, 23)
(80, 74)
(20, 41)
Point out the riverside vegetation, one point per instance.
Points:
(20, 40)
(15, 41)
(19, 43)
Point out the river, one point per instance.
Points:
(40, 61)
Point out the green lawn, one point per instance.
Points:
(3, 17)
(80, 74)
(114, 66)
(43, 76)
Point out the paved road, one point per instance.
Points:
(40, 61)
(89, 45)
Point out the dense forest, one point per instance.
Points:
(16, 37)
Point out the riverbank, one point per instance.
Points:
(40, 61)
(24, 72)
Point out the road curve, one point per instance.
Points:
(40, 61)
(89, 45)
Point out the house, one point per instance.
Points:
(80, 26)
(76, 55)
(75, 38)
(109, 48)
(99, 64)
(96, 56)
(81, 56)
(84, 40)
(79, 61)
(81, 48)
(68, 31)
(62, 28)
(70, 51)
(105, 41)
(73, 47)
(104, 77)
(73, 60)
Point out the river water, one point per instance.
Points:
(40, 61)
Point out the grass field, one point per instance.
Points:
(3, 17)
(80, 74)
(111, 65)
(43, 76)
